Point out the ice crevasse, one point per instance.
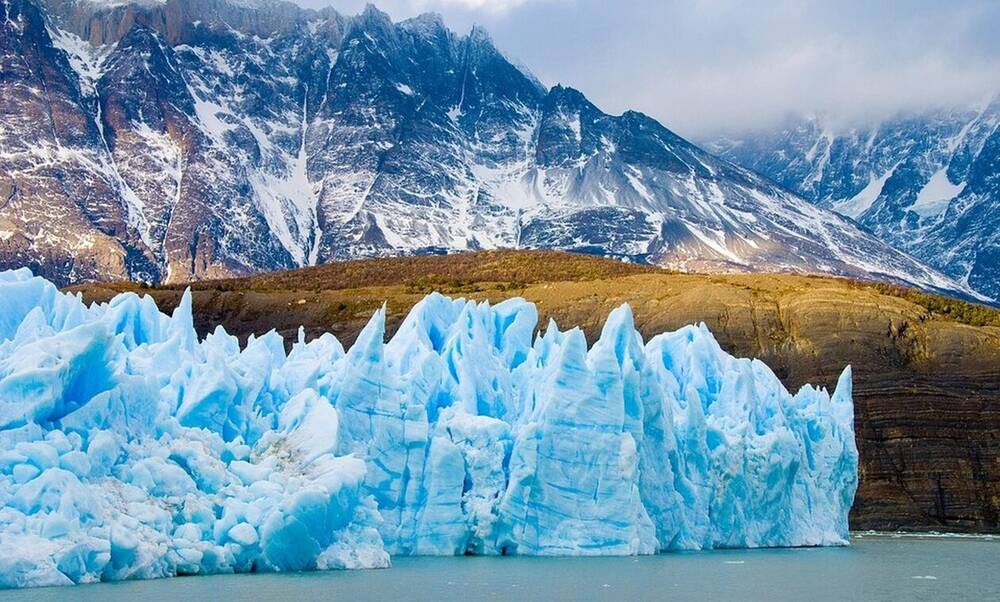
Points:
(131, 449)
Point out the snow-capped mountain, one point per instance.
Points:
(927, 183)
(186, 139)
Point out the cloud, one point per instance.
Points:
(703, 67)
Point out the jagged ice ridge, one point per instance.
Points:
(130, 449)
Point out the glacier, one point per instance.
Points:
(130, 448)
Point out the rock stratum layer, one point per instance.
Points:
(134, 450)
(926, 368)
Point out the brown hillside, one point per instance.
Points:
(926, 368)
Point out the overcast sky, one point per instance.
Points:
(703, 67)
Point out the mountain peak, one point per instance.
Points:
(569, 97)
(373, 13)
(426, 25)
(428, 19)
(480, 34)
(372, 21)
(483, 49)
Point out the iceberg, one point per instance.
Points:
(130, 448)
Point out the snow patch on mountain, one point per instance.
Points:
(85, 59)
(865, 198)
(934, 198)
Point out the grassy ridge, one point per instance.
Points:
(446, 271)
(513, 271)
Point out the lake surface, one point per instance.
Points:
(873, 568)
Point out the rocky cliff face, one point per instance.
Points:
(926, 183)
(181, 140)
(926, 369)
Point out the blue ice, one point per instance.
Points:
(131, 449)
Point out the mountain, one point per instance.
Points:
(927, 183)
(177, 140)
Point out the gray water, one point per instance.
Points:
(873, 568)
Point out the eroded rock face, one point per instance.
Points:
(57, 210)
(926, 389)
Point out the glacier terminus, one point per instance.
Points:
(130, 448)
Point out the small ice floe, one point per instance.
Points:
(927, 577)
(735, 561)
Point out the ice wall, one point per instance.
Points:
(130, 449)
